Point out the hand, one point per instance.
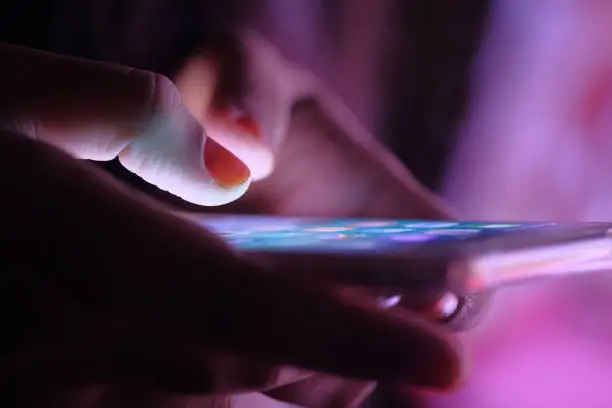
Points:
(167, 309)
(324, 163)
(318, 159)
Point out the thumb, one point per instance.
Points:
(199, 82)
(244, 92)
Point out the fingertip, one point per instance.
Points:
(211, 194)
(186, 170)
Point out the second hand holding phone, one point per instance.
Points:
(460, 262)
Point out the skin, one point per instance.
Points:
(153, 322)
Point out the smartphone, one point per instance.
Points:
(417, 258)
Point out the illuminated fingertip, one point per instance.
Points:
(213, 194)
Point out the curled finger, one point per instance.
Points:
(99, 111)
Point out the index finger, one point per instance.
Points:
(99, 111)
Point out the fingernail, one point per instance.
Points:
(225, 168)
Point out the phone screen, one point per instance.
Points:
(312, 235)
